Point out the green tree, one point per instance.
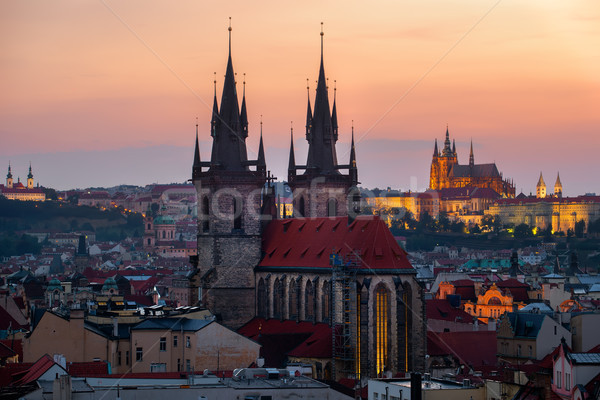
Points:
(579, 228)
(522, 231)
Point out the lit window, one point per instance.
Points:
(382, 329)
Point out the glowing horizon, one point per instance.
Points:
(519, 79)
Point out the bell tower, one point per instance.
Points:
(229, 189)
(9, 178)
(321, 190)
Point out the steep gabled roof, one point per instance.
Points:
(477, 171)
(308, 243)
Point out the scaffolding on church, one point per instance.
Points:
(344, 323)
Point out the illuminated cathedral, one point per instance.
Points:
(446, 172)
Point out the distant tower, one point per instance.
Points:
(9, 178)
(541, 188)
(442, 163)
(229, 219)
(558, 186)
(471, 157)
(81, 260)
(322, 190)
(30, 178)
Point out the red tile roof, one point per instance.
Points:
(470, 348)
(83, 369)
(281, 338)
(443, 310)
(308, 242)
(36, 370)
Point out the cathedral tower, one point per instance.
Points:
(558, 189)
(541, 188)
(30, 178)
(442, 163)
(229, 189)
(322, 190)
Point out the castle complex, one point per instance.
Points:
(18, 191)
(446, 172)
(326, 264)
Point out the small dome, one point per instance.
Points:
(110, 283)
(54, 284)
(164, 220)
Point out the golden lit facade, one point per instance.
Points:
(446, 172)
(18, 191)
(492, 304)
(561, 214)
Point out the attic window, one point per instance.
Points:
(301, 226)
(321, 251)
(287, 252)
(304, 252)
(286, 225)
(351, 226)
(335, 226)
(320, 225)
(272, 251)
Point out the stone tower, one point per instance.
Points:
(9, 178)
(30, 178)
(322, 190)
(541, 188)
(229, 189)
(558, 189)
(442, 163)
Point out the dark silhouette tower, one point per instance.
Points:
(322, 190)
(229, 189)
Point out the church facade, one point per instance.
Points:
(446, 172)
(18, 191)
(325, 264)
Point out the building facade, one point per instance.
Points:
(446, 172)
(18, 191)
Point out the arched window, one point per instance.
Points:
(262, 299)
(302, 207)
(277, 297)
(293, 298)
(205, 214)
(382, 329)
(237, 213)
(164, 234)
(331, 207)
(326, 302)
(309, 302)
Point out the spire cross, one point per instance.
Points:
(322, 34)
(260, 124)
(334, 88)
(215, 82)
(229, 29)
(244, 83)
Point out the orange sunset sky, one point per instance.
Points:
(100, 93)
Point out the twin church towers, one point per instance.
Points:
(234, 204)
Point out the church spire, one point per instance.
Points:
(353, 170)
(229, 138)
(471, 158)
(436, 153)
(243, 114)
(292, 161)
(447, 149)
(453, 147)
(334, 122)
(197, 166)
(558, 186)
(261, 163)
(322, 157)
(308, 113)
(9, 175)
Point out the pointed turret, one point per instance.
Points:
(292, 160)
(334, 115)
(308, 113)
(261, 164)
(471, 158)
(30, 178)
(558, 186)
(214, 121)
(9, 178)
(243, 114)
(541, 188)
(353, 171)
(447, 149)
(453, 147)
(436, 153)
(197, 166)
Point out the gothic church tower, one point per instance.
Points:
(229, 189)
(322, 190)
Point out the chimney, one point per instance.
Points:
(415, 386)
